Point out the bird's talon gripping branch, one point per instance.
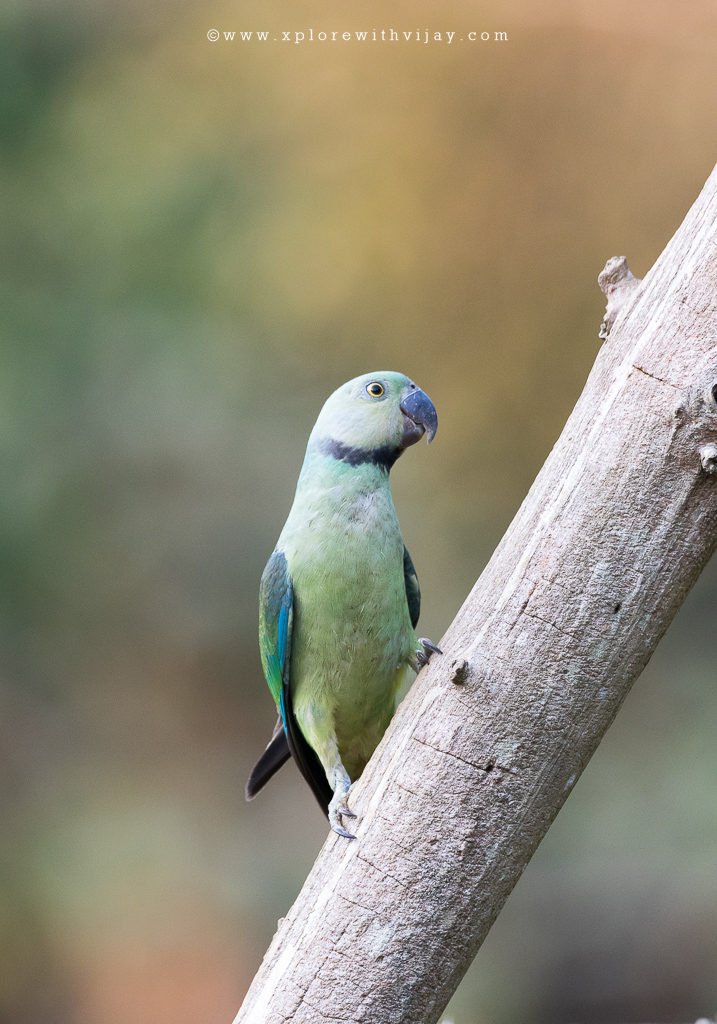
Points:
(342, 832)
(429, 647)
(337, 810)
(420, 658)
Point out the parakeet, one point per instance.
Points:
(339, 598)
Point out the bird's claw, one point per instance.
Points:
(422, 657)
(428, 646)
(338, 828)
(340, 831)
(338, 809)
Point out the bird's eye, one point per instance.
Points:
(374, 389)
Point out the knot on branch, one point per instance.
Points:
(617, 282)
(459, 671)
(708, 458)
(696, 416)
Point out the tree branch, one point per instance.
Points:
(482, 754)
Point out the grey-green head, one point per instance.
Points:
(374, 418)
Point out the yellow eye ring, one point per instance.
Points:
(374, 389)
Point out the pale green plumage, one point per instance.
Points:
(351, 642)
(336, 591)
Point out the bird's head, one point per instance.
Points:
(382, 412)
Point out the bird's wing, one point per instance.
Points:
(413, 591)
(276, 616)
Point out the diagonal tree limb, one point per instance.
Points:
(482, 754)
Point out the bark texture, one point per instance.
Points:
(489, 743)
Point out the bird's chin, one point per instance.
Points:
(412, 431)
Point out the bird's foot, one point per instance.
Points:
(429, 647)
(338, 809)
(423, 656)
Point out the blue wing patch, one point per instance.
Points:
(276, 614)
(276, 619)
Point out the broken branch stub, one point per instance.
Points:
(618, 284)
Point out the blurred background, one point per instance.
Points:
(202, 240)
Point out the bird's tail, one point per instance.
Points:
(269, 763)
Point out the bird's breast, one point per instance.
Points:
(351, 620)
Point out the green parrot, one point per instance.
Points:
(339, 597)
